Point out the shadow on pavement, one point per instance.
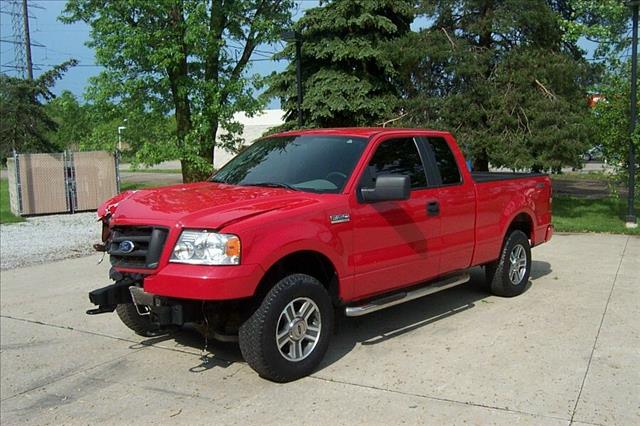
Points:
(540, 269)
(384, 325)
(371, 329)
(213, 353)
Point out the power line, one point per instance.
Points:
(16, 67)
(21, 43)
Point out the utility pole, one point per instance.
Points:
(294, 36)
(18, 37)
(120, 129)
(299, 78)
(632, 221)
(27, 39)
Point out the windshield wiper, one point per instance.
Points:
(273, 185)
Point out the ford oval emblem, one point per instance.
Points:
(126, 246)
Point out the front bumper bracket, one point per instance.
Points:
(107, 298)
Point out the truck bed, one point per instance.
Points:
(482, 177)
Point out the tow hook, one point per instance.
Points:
(107, 298)
(100, 310)
(160, 310)
(142, 300)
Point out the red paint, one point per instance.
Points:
(384, 246)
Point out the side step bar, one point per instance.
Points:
(405, 296)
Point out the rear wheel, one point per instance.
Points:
(287, 336)
(140, 324)
(508, 276)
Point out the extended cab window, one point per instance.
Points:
(399, 157)
(445, 161)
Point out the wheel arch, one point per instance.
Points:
(521, 221)
(307, 261)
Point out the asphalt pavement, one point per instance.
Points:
(566, 351)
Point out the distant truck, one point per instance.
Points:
(303, 224)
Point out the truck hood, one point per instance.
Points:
(204, 204)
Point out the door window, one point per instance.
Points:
(399, 157)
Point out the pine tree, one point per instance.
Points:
(346, 68)
(499, 75)
(25, 124)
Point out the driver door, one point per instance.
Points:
(394, 241)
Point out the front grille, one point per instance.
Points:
(144, 251)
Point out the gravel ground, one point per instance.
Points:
(48, 238)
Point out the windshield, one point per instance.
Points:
(314, 163)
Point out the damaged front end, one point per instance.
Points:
(134, 253)
(128, 287)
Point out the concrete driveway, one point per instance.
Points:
(566, 351)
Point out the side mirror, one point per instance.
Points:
(388, 188)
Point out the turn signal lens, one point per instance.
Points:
(233, 247)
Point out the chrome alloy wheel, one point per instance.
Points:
(298, 329)
(518, 264)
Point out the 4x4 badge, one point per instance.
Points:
(340, 218)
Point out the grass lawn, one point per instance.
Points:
(172, 171)
(586, 215)
(128, 186)
(5, 210)
(584, 176)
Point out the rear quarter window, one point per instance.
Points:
(446, 162)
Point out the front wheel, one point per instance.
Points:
(508, 276)
(141, 325)
(287, 336)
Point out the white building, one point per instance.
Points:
(254, 127)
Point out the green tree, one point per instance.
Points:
(346, 67)
(73, 124)
(500, 77)
(25, 125)
(601, 21)
(612, 117)
(183, 57)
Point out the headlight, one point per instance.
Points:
(206, 248)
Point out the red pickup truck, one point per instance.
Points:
(303, 224)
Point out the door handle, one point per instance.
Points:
(433, 208)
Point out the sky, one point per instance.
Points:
(55, 42)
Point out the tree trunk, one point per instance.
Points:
(481, 161)
(178, 73)
(189, 171)
(183, 124)
(217, 24)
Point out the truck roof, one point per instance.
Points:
(357, 131)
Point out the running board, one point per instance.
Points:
(405, 296)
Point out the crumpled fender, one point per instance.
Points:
(109, 207)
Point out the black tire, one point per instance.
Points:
(257, 336)
(498, 273)
(141, 325)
